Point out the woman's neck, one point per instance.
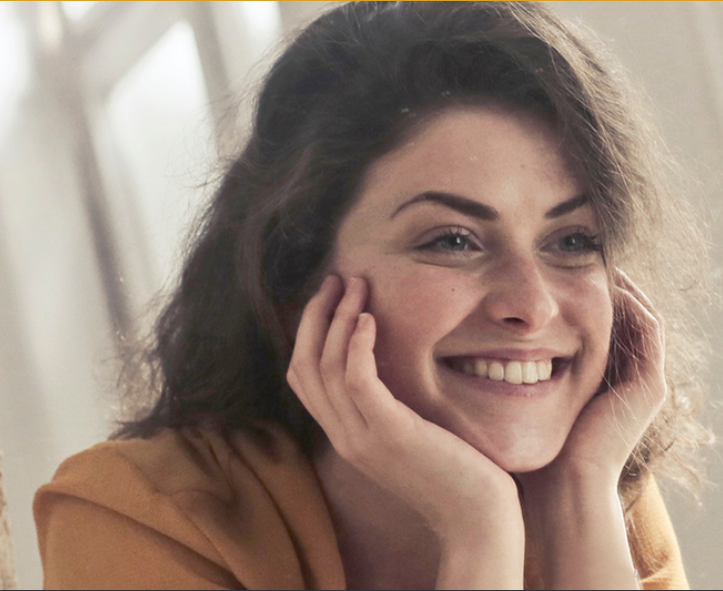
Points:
(382, 542)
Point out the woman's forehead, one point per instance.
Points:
(485, 152)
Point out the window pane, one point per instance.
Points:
(160, 124)
(263, 20)
(13, 64)
(77, 10)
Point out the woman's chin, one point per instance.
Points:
(517, 465)
(518, 457)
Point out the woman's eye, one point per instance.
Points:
(452, 240)
(570, 245)
(578, 243)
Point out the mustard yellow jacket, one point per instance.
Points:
(191, 509)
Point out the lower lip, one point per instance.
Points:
(502, 388)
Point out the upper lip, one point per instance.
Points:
(513, 354)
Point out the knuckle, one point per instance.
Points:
(355, 381)
(299, 357)
(296, 366)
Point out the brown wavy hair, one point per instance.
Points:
(347, 90)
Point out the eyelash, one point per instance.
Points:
(591, 242)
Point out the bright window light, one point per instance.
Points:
(263, 20)
(161, 125)
(13, 64)
(77, 10)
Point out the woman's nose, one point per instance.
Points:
(520, 297)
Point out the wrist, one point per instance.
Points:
(576, 522)
(503, 523)
(576, 480)
(493, 528)
(570, 497)
(482, 558)
(494, 511)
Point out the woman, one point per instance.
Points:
(402, 353)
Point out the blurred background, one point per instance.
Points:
(113, 117)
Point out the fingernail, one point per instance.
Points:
(364, 320)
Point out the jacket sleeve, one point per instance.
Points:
(87, 546)
(653, 542)
(107, 521)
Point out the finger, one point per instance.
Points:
(624, 281)
(304, 376)
(639, 338)
(375, 402)
(334, 358)
(295, 385)
(638, 327)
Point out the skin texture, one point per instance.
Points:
(436, 480)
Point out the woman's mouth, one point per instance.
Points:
(509, 371)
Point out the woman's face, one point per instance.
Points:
(479, 249)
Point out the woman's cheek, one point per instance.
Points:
(598, 305)
(414, 310)
(589, 307)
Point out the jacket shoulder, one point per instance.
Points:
(239, 501)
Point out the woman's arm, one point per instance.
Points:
(489, 561)
(577, 523)
(84, 545)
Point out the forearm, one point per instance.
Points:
(579, 525)
(491, 561)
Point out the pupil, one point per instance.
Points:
(456, 241)
(573, 241)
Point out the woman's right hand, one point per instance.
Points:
(460, 493)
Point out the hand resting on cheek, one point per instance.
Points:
(464, 497)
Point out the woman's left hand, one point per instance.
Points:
(613, 422)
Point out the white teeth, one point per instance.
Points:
(544, 370)
(496, 371)
(530, 375)
(512, 372)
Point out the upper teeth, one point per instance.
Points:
(513, 372)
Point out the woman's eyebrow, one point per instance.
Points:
(485, 212)
(567, 206)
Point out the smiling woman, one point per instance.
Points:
(404, 352)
